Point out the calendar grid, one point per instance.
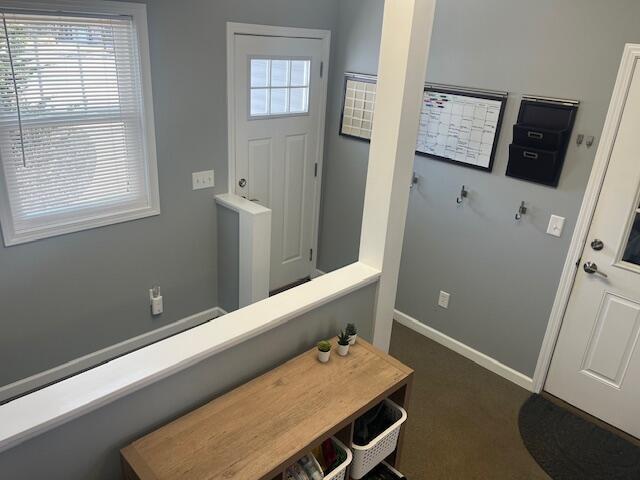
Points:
(457, 124)
(458, 127)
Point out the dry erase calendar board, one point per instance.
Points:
(357, 108)
(460, 126)
(457, 124)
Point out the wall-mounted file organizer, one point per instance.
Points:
(540, 139)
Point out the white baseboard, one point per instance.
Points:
(91, 360)
(465, 350)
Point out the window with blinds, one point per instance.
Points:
(74, 138)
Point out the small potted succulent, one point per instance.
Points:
(343, 343)
(324, 350)
(352, 331)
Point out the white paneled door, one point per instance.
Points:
(596, 362)
(279, 113)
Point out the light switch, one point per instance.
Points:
(203, 179)
(556, 224)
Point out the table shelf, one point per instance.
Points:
(262, 427)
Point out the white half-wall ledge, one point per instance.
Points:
(61, 402)
(113, 351)
(254, 247)
(466, 351)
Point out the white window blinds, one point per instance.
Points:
(72, 125)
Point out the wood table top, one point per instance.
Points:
(262, 427)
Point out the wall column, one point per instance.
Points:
(406, 33)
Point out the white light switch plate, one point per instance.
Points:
(205, 179)
(556, 224)
(443, 299)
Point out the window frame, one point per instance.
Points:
(138, 14)
(271, 116)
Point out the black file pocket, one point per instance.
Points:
(534, 165)
(540, 140)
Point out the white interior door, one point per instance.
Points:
(596, 362)
(279, 109)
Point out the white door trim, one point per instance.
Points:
(630, 57)
(289, 32)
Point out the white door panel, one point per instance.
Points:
(259, 169)
(613, 340)
(278, 120)
(596, 362)
(293, 205)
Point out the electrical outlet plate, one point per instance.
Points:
(204, 179)
(443, 299)
(556, 224)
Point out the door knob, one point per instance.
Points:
(242, 183)
(597, 244)
(592, 268)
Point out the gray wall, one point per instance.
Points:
(228, 258)
(502, 276)
(69, 296)
(357, 46)
(88, 447)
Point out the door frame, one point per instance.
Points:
(630, 57)
(288, 32)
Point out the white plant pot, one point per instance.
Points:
(352, 339)
(343, 350)
(324, 356)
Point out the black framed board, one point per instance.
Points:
(460, 126)
(457, 124)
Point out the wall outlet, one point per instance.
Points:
(443, 299)
(155, 298)
(205, 179)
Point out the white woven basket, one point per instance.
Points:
(340, 472)
(368, 456)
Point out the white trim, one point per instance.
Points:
(630, 57)
(466, 351)
(138, 12)
(106, 354)
(317, 273)
(59, 403)
(77, 6)
(404, 49)
(241, 204)
(254, 249)
(288, 32)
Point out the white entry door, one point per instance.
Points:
(280, 97)
(596, 362)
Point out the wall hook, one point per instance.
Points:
(414, 181)
(521, 211)
(590, 140)
(464, 193)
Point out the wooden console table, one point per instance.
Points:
(262, 427)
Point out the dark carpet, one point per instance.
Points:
(569, 447)
(463, 419)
